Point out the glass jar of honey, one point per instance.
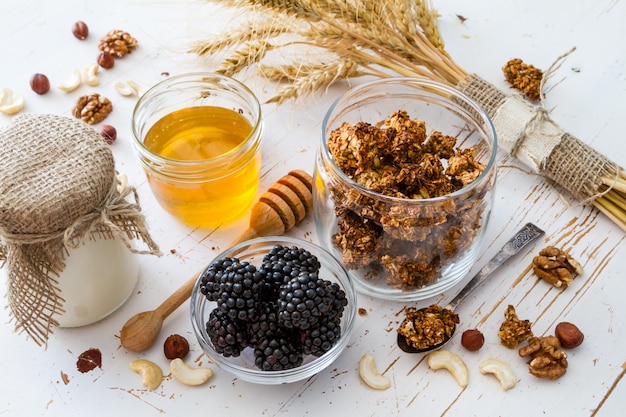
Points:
(198, 136)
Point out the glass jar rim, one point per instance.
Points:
(425, 84)
(223, 159)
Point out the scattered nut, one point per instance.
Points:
(10, 101)
(80, 30)
(443, 359)
(92, 109)
(90, 74)
(109, 133)
(123, 88)
(40, 84)
(150, 371)
(188, 375)
(118, 43)
(106, 60)
(569, 335)
(369, 374)
(89, 360)
(175, 346)
(501, 370)
(73, 82)
(547, 360)
(122, 183)
(513, 331)
(135, 87)
(472, 339)
(556, 266)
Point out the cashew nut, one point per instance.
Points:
(369, 374)
(152, 374)
(123, 88)
(501, 370)
(188, 375)
(73, 83)
(122, 183)
(132, 84)
(90, 76)
(452, 362)
(10, 102)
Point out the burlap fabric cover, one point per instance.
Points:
(58, 187)
(527, 133)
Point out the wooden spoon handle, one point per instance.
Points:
(177, 298)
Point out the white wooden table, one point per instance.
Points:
(587, 96)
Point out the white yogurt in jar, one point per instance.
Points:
(98, 278)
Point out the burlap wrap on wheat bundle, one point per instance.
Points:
(528, 134)
(58, 188)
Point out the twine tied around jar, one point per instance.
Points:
(529, 135)
(58, 189)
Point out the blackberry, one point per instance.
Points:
(229, 336)
(234, 285)
(277, 352)
(303, 300)
(320, 339)
(335, 300)
(211, 277)
(282, 264)
(265, 322)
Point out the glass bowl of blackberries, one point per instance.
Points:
(273, 310)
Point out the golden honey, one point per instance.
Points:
(200, 151)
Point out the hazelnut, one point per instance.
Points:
(80, 30)
(175, 346)
(40, 84)
(472, 339)
(569, 335)
(108, 132)
(106, 60)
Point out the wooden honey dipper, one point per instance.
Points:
(285, 204)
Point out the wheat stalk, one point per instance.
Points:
(372, 34)
(248, 55)
(260, 29)
(308, 78)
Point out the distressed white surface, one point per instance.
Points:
(588, 98)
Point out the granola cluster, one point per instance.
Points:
(409, 242)
(524, 78)
(424, 329)
(513, 330)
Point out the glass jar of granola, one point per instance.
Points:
(403, 186)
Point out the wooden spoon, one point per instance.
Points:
(285, 204)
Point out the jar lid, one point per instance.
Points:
(54, 170)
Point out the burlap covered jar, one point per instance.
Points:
(67, 228)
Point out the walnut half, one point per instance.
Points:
(92, 109)
(547, 360)
(117, 43)
(556, 267)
